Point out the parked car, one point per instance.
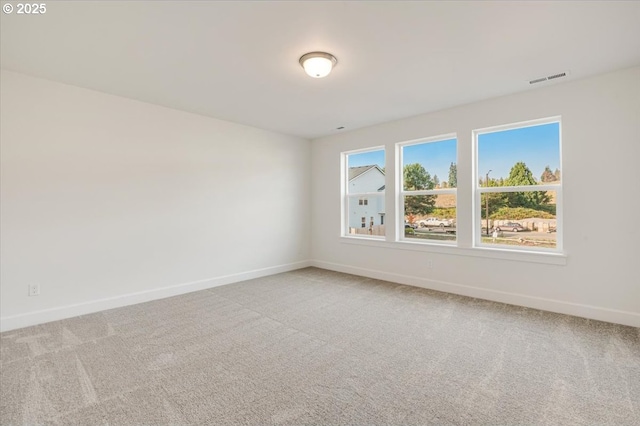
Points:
(410, 225)
(433, 222)
(511, 226)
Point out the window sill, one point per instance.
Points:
(551, 258)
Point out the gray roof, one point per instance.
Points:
(354, 172)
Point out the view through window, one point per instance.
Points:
(365, 188)
(429, 182)
(516, 187)
(519, 185)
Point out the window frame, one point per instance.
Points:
(468, 185)
(345, 196)
(401, 193)
(478, 190)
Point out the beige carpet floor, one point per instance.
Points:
(320, 347)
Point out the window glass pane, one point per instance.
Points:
(509, 223)
(438, 225)
(366, 219)
(522, 156)
(366, 172)
(365, 193)
(429, 165)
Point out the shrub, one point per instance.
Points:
(549, 208)
(518, 213)
(444, 212)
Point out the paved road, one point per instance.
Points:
(529, 235)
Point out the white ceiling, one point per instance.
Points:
(238, 61)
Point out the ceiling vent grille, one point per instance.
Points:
(538, 80)
(551, 77)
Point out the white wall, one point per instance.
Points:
(108, 201)
(601, 172)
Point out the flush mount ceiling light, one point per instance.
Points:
(318, 64)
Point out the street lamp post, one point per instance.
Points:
(486, 199)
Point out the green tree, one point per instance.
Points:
(520, 175)
(436, 181)
(416, 178)
(453, 175)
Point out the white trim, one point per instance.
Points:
(344, 185)
(429, 192)
(401, 193)
(62, 312)
(363, 150)
(440, 138)
(559, 197)
(398, 199)
(519, 125)
(479, 190)
(366, 194)
(575, 309)
(499, 252)
(528, 188)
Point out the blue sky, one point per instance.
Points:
(367, 158)
(435, 157)
(537, 146)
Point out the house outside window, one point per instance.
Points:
(363, 193)
(515, 202)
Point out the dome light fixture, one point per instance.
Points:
(318, 64)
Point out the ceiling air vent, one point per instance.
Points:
(538, 80)
(562, 74)
(551, 77)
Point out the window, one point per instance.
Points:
(428, 182)
(512, 186)
(363, 193)
(518, 186)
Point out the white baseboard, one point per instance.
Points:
(68, 311)
(585, 311)
(58, 313)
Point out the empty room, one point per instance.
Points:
(320, 212)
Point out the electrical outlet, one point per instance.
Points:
(34, 289)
